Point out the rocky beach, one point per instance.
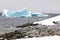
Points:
(9, 30)
(31, 31)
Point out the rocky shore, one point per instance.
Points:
(15, 28)
(30, 31)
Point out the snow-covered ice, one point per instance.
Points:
(48, 21)
(43, 38)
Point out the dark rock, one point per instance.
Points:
(33, 31)
(27, 24)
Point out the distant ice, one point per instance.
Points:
(17, 13)
(22, 13)
(39, 14)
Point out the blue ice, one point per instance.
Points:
(22, 13)
(17, 13)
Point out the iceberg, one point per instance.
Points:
(39, 14)
(17, 13)
(22, 13)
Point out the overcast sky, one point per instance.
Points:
(33, 5)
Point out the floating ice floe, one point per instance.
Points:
(49, 21)
(43, 38)
(22, 13)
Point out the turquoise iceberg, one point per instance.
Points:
(17, 13)
(22, 13)
(39, 14)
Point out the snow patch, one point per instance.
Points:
(43, 38)
(48, 21)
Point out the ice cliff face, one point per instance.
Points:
(21, 13)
